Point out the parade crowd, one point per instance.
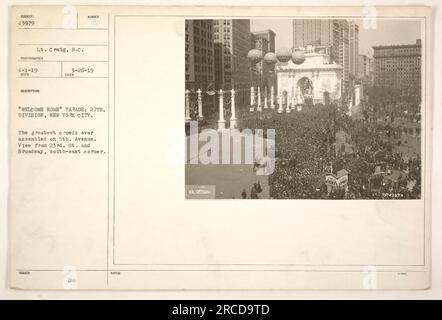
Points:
(307, 149)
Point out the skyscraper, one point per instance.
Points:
(268, 39)
(199, 53)
(316, 32)
(341, 36)
(354, 48)
(344, 51)
(365, 67)
(232, 43)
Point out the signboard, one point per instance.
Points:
(338, 181)
(330, 180)
(200, 192)
(342, 181)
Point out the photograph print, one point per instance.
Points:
(303, 108)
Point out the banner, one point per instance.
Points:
(330, 180)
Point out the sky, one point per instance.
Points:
(387, 31)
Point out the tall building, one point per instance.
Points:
(362, 66)
(365, 74)
(365, 67)
(265, 41)
(398, 67)
(354, 48)
(232, 43)
(316, 32)
(339, 35)
(344, 51)
(371, 69)
(199, 53)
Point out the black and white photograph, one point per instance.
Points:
(312, 104)
(320, 108)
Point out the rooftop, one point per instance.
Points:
(264, 32)
(417, 44)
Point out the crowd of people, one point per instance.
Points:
(378, 169)
(302, 151)
(307, 149)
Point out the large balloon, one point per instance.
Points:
(270, 58)
(298, 57)
(254, 55)
(283, 54)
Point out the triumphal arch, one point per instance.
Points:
(298, 83)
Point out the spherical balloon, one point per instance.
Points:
(298, 57)
(283, 54)
(270, 58)
(254, 55)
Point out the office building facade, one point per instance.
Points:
(341, 36)
(265, 41)
(199, 54)
(232, 43)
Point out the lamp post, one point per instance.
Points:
(265, 98)
(252, 99)
(270, 61)
(187, 118)
(279, 103)
(200, 105)
(233, 116)
(221, 121)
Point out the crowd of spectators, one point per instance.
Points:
(307, 149)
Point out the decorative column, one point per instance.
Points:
(233, 117)
(279, 103)
(221, 121)
(293, 102)
(259, 99)
(200, 105)
(252, 98)
(272, 102)
(265, 98)
(298, 99)
(187, 116)
(289, 94)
